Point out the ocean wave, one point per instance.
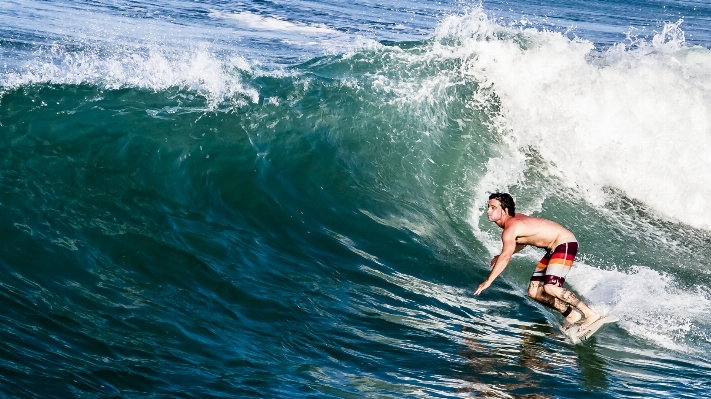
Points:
(479, 107)
(634, 117)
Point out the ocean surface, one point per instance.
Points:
(286, 199)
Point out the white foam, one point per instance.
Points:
(635, 117)
(156, 69)
(260, 22)
(310, 36)
(648, 304)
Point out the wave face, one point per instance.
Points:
(264, 201)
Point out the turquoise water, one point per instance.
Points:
(287, 199)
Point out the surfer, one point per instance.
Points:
(546, 284)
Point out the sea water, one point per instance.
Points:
(287, 199)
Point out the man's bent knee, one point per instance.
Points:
(534, 289)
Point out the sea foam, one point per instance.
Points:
(261, 22)
(635, 117)
(648, 303)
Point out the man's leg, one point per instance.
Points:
(567, 296)
(552, 270)
(537, 292)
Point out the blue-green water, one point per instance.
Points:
(286, 199)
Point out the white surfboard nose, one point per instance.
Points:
(594, 327)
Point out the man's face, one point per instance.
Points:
(494, 212)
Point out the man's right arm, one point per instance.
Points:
(518, 249)
(508, 237)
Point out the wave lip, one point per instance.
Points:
(195, 69)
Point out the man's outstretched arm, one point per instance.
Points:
(518, 249)
(508, 237)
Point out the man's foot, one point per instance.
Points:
(573, 318)
(589, 321)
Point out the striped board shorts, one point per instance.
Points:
(554, 266)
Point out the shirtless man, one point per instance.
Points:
(546, 284)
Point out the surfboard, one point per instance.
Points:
(577, 336)
(571, 333)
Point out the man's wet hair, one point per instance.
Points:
(506, 201)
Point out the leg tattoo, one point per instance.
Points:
(535, 291)
(559, 305)
(570, 298)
